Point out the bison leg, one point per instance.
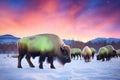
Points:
(80, 57)
(92, 55)
(77, 56)
(103, 57)
(41, 60)
(50, 60)
(108, 58)
(41, 65)
(29, 61)
(19, 60)
(74, 56)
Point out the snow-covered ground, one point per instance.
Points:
(76, 70)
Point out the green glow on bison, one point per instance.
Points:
(110, 48)
(76, 51)
(42, 43)
(25, 41)
(93, 50)
(103, 50)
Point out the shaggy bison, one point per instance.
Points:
(86, 54)
(76, 52)
(111, 51)
(107, 52)
(103, 54)
(44, 46)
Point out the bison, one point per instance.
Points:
(44, 46)
(76, 52)
(86, 54)
(107, 52)
(111, 51)
(103, 54)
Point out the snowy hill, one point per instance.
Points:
(100, 42)
(8, 39)
(107, 40)
(8, 43)
(68, 41)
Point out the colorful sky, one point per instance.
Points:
(70, 19)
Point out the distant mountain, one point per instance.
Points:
(99, 42)
(74, 43)
(8, 39)
(107, 40)
(8, 44)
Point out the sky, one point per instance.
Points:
(70, 19)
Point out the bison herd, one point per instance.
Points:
(50, 47)
(104, 53)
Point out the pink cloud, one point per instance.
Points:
(74, 22)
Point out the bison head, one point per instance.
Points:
(114, 54)
(86, 58)
(99, 57)
(65, 55)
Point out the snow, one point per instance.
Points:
(76, 70)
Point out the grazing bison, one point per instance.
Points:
(93, 52)
(76, 52)
(106, 52)
(86, 54)
(103, 54)
(48, 46)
